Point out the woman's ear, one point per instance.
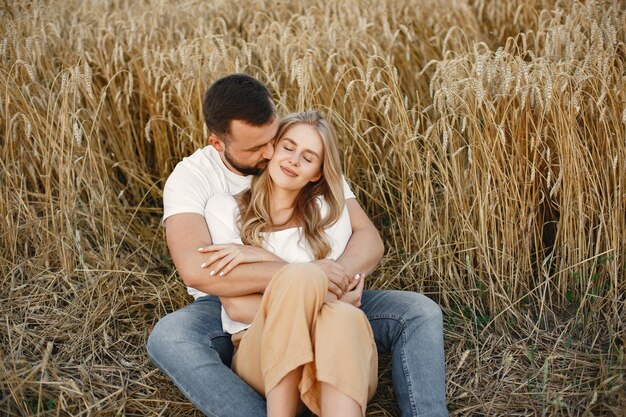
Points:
(216, 142)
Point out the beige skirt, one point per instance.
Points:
(296, 327)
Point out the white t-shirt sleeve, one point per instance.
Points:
(184, 192)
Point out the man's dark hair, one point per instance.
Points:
(237, 97)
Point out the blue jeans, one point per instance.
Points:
(190, 347)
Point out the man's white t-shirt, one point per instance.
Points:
(199, 177)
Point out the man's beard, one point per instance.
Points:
(247, 170)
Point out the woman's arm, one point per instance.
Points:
(243, 308)
(224, 257)
(185, 233)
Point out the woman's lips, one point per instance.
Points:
(288, 172)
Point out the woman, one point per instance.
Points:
(296, 342)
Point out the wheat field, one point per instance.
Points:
(485, 138)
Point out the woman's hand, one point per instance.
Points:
(355, 291)
(227, 256)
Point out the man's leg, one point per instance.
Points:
(190, 347)
(410, 326)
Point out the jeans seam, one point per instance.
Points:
(407, 377)
(405, 370)
(385, 316)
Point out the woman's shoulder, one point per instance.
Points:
(324, 207)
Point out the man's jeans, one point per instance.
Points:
(190, 347)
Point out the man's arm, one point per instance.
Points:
(185, 233)
(365, 247)
(242, 309)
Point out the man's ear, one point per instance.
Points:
(216, 142)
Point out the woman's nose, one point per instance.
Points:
(294, 159)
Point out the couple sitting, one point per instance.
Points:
(291, 248)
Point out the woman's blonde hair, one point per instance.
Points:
(255, 214)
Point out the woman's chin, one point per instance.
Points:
(287, 184)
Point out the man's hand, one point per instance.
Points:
(355, 291)
(232, 254)
(338, 280)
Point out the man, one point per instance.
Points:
(189, 344)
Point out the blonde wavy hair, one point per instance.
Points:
(255, 203)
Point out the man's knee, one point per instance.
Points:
(180, 328)
(176, 337)
(423, 315)
(164, 333)
(416, 302)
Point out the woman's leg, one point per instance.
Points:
(284, 398)
(280, 337)
(295, 329)
(345, 360)
(336, 403)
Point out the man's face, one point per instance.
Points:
(248, 147)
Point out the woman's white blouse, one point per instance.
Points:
(221, 214)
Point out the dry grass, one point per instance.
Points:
(486, 139)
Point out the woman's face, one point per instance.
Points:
(298, 157)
